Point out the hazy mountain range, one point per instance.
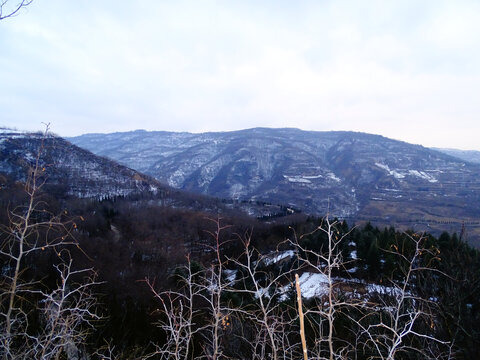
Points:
(264, 172)
(352, 175)
(466, 155)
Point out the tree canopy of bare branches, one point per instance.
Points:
(37, 320)
(9, 8)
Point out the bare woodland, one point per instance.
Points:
(395, 325)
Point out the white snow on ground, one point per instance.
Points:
(423, 175)
(393, 173)
(383, 166)
(353, 254)
(305, 179)
(399, 174)
(333, 177)
(230, 275)
(276, 257)
(381, 289)
(11, 132)
(313, 284)
(176, 178)
(297, 179)
(316, 285)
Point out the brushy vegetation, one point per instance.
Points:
(173, 283)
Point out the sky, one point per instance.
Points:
(408, 70)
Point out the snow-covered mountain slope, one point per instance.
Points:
(352, 175)
(72, 170)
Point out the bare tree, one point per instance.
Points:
(68, 313)
(179, 308)
(106, 352)
(177, 315)
(405, 318)
(266, 289)
(9, 8)
(32, 230)
(22, 236)
(213, 289)
(325, 261)
(394, 324)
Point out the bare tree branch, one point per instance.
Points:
(9, 9)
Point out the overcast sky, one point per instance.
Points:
(408, 70)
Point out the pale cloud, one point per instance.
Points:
(404, 69)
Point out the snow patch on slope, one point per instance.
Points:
(306, 179)
(401, 174)
(423, 175)
(297, 179)
(313, 285)
(394, 173)
(276, 257)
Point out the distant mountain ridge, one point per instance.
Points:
(351, 175)
(472, 156)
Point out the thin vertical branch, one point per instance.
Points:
(300, 315)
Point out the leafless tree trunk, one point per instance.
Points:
(301, 318)
(325, 262)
